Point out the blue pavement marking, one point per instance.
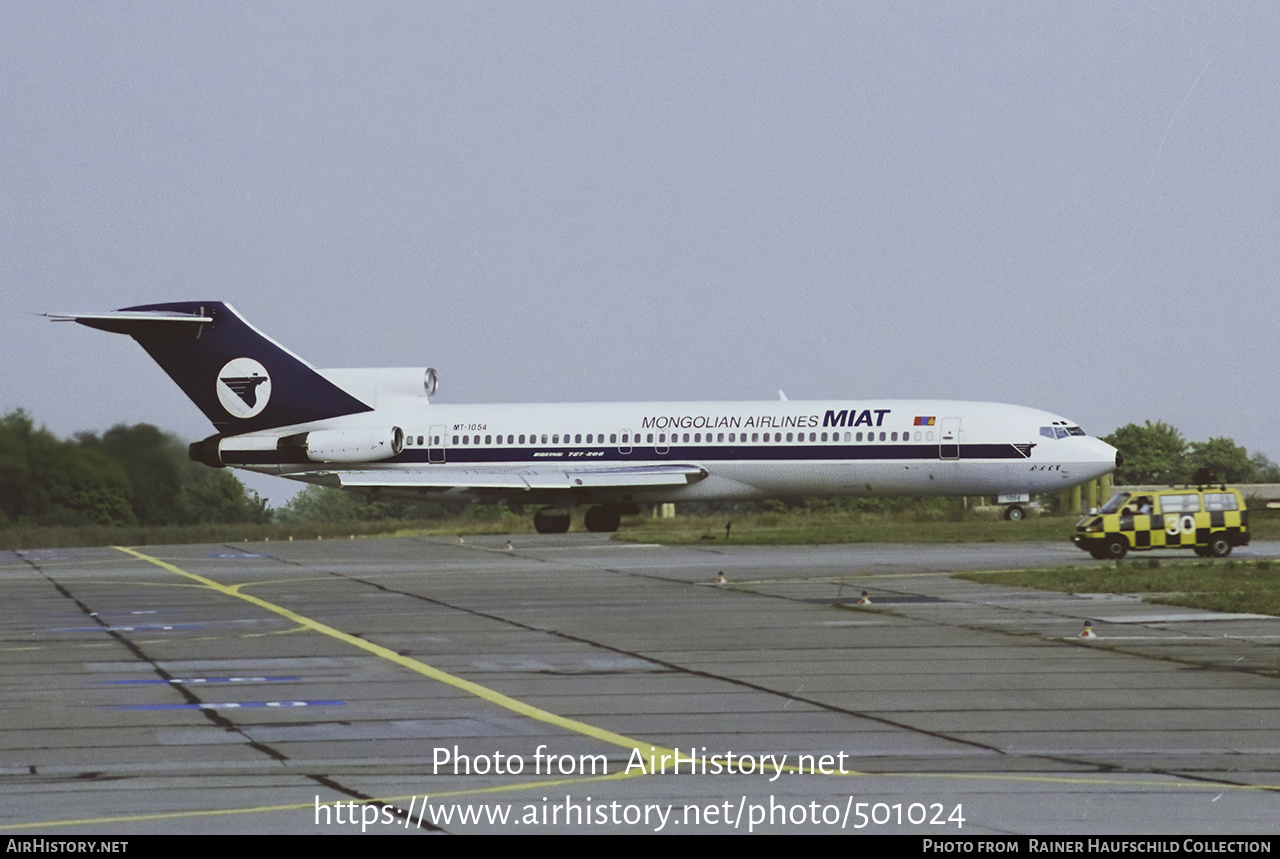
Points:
(191, 680)
(243, 705)
(105, 613)
(144, 628)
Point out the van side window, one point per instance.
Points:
(1180, 504)
(1215, 501)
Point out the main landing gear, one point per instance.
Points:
(551, 520)
(603, 518)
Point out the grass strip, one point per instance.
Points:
(793, 528)
(1218, 585)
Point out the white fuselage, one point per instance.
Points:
(376, 431)
(744, 450)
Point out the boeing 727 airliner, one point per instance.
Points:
(376, 431)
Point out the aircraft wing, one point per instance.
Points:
(484, 479)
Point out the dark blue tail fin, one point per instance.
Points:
(241, 379)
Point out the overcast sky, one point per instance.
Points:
(1074, 206)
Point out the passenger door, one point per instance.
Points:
(949, 439)
(435, 450)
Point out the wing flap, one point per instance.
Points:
(520, 478)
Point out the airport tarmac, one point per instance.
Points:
(247, 688)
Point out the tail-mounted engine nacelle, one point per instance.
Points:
(353, 445)
(348, 445)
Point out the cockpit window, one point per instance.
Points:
(1060, 431)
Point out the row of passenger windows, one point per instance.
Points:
(675, 438)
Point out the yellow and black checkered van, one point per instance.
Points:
(1209, 520)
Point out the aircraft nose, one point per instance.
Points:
(1112, 452)
(1102, 455)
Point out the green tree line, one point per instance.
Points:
(140, 475)
(321, 504)
(1157, 453)
(130, 475)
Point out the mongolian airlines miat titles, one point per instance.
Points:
(376, 431)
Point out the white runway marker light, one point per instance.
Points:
(1087, 632)
(864, 600)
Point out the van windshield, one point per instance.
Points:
(1117, 501)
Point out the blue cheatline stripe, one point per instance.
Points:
(591, 455)
(231, 705)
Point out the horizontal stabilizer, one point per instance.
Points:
(124, 321)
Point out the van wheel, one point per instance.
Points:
(1116, 548)
(1014, 513)
(1219, 546)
